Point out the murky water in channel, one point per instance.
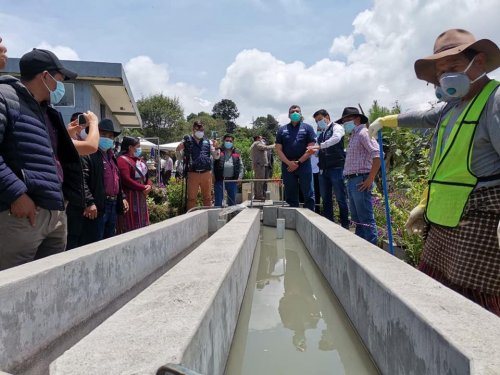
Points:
(290, 321)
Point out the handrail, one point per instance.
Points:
(275, 180)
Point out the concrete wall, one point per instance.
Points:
(187, 316)
(43, 300)
(410, 323)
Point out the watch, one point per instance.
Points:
(298, 162)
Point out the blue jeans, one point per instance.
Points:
(106, 223)
(360, 203)
(301, 176)
(231, 189)
(332, 179)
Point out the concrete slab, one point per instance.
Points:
(187, 316)
(410, 323)
(213, 216)
(45, 299)
(269, 215)
(289, 215)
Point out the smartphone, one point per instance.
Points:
(215, 134)
(82, 121)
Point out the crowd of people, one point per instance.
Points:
(66, 186)
(61, 186)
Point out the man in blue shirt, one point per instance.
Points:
(292, 141)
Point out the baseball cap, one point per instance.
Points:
(38, 60)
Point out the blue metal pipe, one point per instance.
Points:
(386, 193)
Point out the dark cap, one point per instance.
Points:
(39, 60)
(352, 111)
(107, 125)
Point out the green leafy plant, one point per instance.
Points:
(401, 202)
(407, 165)
(175, 193)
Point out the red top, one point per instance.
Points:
(128, 173)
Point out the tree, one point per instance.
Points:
(161, 116)
(226, 110)
(405, 149)
(243, 139)
(266, 126)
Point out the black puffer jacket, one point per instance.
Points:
(26, 158)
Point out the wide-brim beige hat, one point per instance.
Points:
(453, 42)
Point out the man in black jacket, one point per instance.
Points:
(331, 155)
(39, 166)
(104, 197)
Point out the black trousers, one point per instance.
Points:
(81, 231)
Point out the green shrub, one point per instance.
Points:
(401, 201)
(159, 195)
(158, 212)
(175, 193)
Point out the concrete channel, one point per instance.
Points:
(179, 295)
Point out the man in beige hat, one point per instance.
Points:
(460, 210)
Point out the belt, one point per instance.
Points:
(352, 175)
(111, 197)
(206, 170)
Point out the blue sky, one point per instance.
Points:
(263, 54)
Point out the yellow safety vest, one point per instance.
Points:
(451, 179)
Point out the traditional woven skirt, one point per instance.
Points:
(137, 215)
(467, 258)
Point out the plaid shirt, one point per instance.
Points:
(360, 152)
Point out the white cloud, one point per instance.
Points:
(148, 78)
(378, 57)
(62, 52)
(342, 45)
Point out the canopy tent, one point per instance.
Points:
(169, 146)
(146, 145)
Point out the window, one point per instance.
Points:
(68, 100)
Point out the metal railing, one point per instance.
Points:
(252, 181)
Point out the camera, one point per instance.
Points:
(82, 121)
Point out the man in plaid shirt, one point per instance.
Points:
(362, 163)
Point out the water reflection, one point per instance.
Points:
(290, 322)
(298, 308)
(267, 264)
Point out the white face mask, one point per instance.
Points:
(199, 134)
(457, 85)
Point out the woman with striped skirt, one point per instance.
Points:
(136, 185)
